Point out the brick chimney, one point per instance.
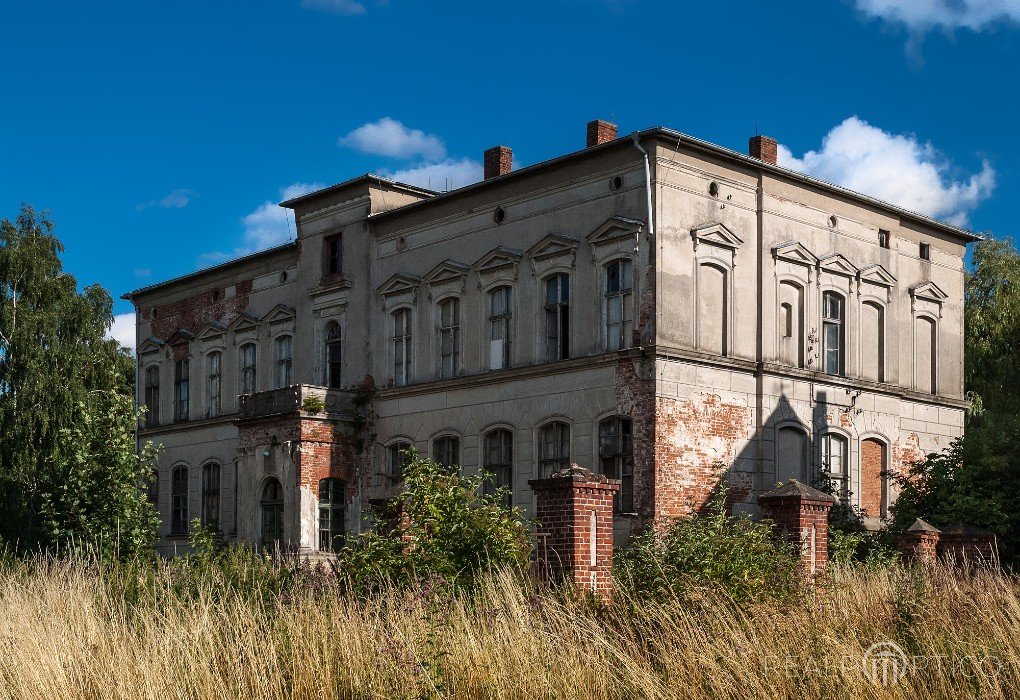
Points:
(600, 132)
(498, 161)
(763, 148)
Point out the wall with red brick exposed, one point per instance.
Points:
(193, 313)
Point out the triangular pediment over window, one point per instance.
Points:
(497, 259)
(716, 234)
(446, 271)
(553, 245)
(794, 252)
(837, 265)
(615, 229)
(279, 313)
(929, 291)
(180, 337)
(211, 330)
(245, 321)
(150, 345)
(399, 284)
(876, 274)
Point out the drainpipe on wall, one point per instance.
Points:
(651, 232)
(648, 182)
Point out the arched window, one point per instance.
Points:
(248, 364)
(333, 355)
(836, 464)
(179, 501)
(792, 454)
(449, 338)
(557, 317)
(182, 371)
(402, 347)
(619, 303)
(284, 361)
(874, 478)
(833, 333)
(500, 311)
(553, 449)
(791, 324)
(925, 354)
(211, 496)
(332, 495)
(446, 450)
(498, 460)
(713, 309)
(616, 458)
(152, 396)
(272, 513)
(397, 458)
(873, 341)
(214, 384)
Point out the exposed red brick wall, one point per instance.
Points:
(599, 131)
(920, 547)
(872, 466)
(497, 161)
(193, 313)
(635, 397)
(763, 148)
(805, 523)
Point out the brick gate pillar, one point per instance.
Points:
(919, 544)
(574, 508)
(801, 514)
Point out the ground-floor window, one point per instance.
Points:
(499, 461)
(331, 514)
(616, 458)
(272, 513)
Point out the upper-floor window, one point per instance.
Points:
(833, 333)
(334, 255)
(500, 311)
(791, 323)
(152, 396)
(397, 457)
(557, 317)
(498, 460)
(214, 384)
(284, 361)
(211, 496)
(873, 341)
(616, 457)
(333, 354)
(402, 347)
(553, 449)
(619, 287)
(883, 238)
(179, 501)
(925, 354)
(834, 463)
(181, 371)
(331, 514)
(249, 356)
(449, 338)
(446, 450)
(925, 251)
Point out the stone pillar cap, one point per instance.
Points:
(922, 526)
(795, 489)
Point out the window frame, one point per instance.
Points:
(275, 507)
(556, 307)
(502, 320)
(284, 374)
(449, 337)
(446, 450)
(840, 480)
(501, 468)
(397, 459)
(182, 389)
(211, 494)
(249, 370)
(840, 325)
(333, 254)
(179, 523)
(214, 383)
(548, 464)
(622, 338)
(334, 508)
(401, 344)
(333, 342)
(616, 461)
(151, 394)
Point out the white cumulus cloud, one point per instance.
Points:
(178, 199)
(388, 137)
(337, 7)
(896, 168)
(922, 15)
(123, 330)
(445, 175)
(267, 226)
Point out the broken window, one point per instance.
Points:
(214, 384)
(553, 449)
(152, 396)
(332, 494)
(446, 450)
(181, 382)
(619, 304)
(616, 457)
(179, 501)
(498, 460)
(334, 255)
(211, 496)
(500, 310)
(557, 317)
(333, 353)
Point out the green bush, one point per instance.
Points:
(735, 554)
(873, 550)
(313, 405)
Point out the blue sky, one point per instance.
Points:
(161, 136)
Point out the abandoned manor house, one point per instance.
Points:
(662, 311)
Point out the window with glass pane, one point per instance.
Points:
(557, 317)
(834, 462)
(397, 458)
(284, 361)
(211, 496)
(401, 347)
(619, 304)
(179, 501)
(248, 359)
(616, 456)
(333, 351)
(446, 450)
(152, 396)
(832, 333)
(553, 449)
(272, 513)
(214, 384)
(498, 460)
(334, 255)
(332, 495)
(449, 338)
(181, 371)
(500, 311)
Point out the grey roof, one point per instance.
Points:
(366, 178)
(965, 529)
(922, 526)
(794, 488)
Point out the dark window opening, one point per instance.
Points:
(557, 317)
(616, 457)
(332, 495)
(179, 501)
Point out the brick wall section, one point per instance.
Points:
(918, 547)
(635, 397)
(763, 148)
(957, 545)
(193, 313)
(497, 161)
(801, 515)
(872, 466)
(568, 505)
(600, 132)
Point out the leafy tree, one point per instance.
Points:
(69, 473)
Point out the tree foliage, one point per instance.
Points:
(68, 468)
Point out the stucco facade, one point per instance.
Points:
(702, 317)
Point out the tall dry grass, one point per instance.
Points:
(79, 629)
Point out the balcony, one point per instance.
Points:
(336, 403)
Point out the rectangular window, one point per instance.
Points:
(557, 317)
(284, 361)
(402, 347)
(214, 385)
(152, 396)
(335, 255)
(211, 496)
(616, 456)
(179, 502)
(834, 463)
(553, 449)
(248, 360)
(332, 498)
(397, 459)
(446, 450)
(883, 238)
(925, 251)
(832, 333)
(334, 352)
(449, 338)
(500, 311)
(181, 370)
(619, 288)
(499, 461)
